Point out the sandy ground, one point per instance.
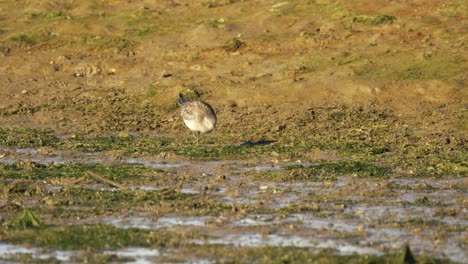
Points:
(85, 67)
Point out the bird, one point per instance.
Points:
(198, 116)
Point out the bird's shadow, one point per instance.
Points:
(261, 142)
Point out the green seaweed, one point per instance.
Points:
(347, 167)
(324, 171)
(373, 20)
(155, 145)
(107, 41)
(110, 199)
(404, 66)
(26, 219)
(96, 237)
(33, 38)
(128, 144)
(26, 137)
(301, 255)
(31, 170)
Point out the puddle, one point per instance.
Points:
(315, 233)
(161, 164)
(196, 221)
(28, 151)
(261, 167)
(156, 223)
(366, 223)
(403, 213)
(435, 183)
(261, 220)
(271, 194)
(258, 240)
(347, 249)
(274, 240)
(7, 250)
(138, 255)
(207, 167)
(33, 155)
(154, 188)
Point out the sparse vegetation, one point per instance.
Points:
(373, 20)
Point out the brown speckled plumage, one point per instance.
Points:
(198, 116)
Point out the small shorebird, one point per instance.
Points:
(198, 116)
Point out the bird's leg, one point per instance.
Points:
(196, 134)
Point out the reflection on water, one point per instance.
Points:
(350, 216)
(138, 255)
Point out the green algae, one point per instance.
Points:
(106, 42)
(403, 66)
(26, 138)
(355, 168)
(156, 145)
(129, 23)
(96, 237)
(30, 170)
(433, 161)
(325, 171)
(292, 174)
(93, 238)
(33, 38)
(26, 188)
(363, 147)
(374, 20)
(299, 255)
(76, 200)
(128, 144)
(26, 219)
(111, 200)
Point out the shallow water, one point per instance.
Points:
(138, 255)
(347, 214)
(303, 230)
(64, 157)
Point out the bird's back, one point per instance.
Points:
(197, 115)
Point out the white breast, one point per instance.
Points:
(204, 126)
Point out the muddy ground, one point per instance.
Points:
(342, 131)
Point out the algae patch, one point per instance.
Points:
(33, 38)
(97, 237)
(374, 20)
(299, 255)
(26, 137)
(31, 170)
(26, 219)
(325, 171)
(356, 168)
(404, 66)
